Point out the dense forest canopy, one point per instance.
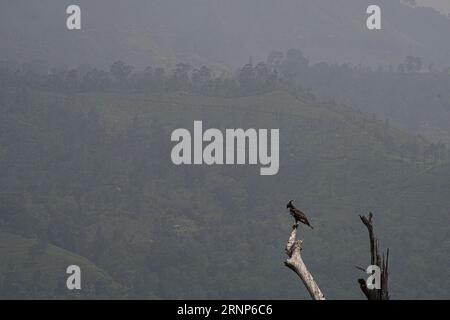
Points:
(410, 95)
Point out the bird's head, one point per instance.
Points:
(290, 205)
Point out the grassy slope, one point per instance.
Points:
(31, 268)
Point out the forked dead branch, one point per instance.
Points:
(381, 262)
(295, 261)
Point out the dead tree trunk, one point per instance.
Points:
(296, 264)
(375, 259)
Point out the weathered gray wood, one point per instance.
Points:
(296, 264)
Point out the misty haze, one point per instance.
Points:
(88, 178)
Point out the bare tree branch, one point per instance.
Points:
(375, 259)
(296, 264)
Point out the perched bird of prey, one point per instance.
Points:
(297, 214)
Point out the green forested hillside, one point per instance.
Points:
(91, 173)
(421, 216)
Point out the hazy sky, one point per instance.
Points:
(442, 5)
